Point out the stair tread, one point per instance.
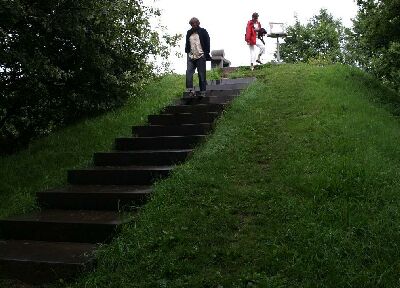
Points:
(231, 81)
(69, 216)
(195, 105)
(146, 151)
(198, 104)
(101, 189)
(49, 252)
(222, 90)
(176, 122)
(127, 168)
(165, 137)
(171, 129)
(178, 125)
(185, 113)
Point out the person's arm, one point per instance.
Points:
(207, 42)
(249, 29)
(187, 44)
(207, 45)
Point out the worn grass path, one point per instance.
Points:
(297, 187)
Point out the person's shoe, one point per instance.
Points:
(191, 93)
(201, 94)
(251, 67)
(259, 61)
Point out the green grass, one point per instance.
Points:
(45, 163)
(297, 187)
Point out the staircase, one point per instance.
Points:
(59, 240)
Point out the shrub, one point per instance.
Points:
(64, 60)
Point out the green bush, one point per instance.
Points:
(374, 41)
(321, 39)
(64, 60)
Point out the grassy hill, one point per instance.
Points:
(297, 187)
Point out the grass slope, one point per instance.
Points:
(44, 164)
(297, 187)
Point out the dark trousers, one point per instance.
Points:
(200, 64)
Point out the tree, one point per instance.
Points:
(321, 39)
(63, 60)
(374, 41)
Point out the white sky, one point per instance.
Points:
(225, 21)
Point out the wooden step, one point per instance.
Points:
(220, 92)
(247, 81)
(87, 226)
(227, 86)
(44, 262)
(118, 175)
(173, 109)
(158, 143)
(95, 197)
(141, 157)
(172, 130)
(182, 118)
(220, 99)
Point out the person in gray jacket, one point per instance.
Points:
(198, 52)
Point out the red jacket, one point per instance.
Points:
(251, 33)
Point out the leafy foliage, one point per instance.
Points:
(321, 40)
(374, 42)
(64, 60)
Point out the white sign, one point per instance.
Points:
(277, 28)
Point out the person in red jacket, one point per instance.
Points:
(252, 29)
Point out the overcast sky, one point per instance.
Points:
(225, 21)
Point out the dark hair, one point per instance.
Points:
(255, 15)
(194, 20)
